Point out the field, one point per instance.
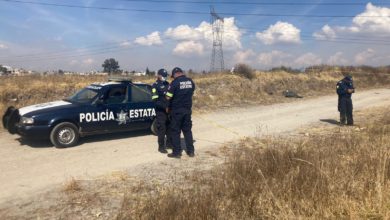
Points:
(322, 172)
(336, 173)
(213, 90)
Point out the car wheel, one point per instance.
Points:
(12, 121)
(7, 115)
(153, 127)
(64, 134)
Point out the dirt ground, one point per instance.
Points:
(31, 170)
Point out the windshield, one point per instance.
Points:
(85, 95)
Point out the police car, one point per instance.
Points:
(114, 106)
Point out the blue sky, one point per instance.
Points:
(44, 37)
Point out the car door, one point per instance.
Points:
(116, 101)
(141, 107)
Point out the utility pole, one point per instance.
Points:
(217, 62)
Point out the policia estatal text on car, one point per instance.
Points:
(180, 94)
(159, 90)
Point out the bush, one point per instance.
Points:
(244, 71)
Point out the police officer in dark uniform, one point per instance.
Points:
(180, 94)
(159, 89)
(345, 89)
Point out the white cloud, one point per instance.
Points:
(88, 61)
(3, 46)
(188, 48)
(184, 32)
(203, 34)
(273, 58)
(150, 40)
(374, 20)
(243, 56)
(280, 32)
(337, 59)
(365, 56)
(308, 59)
(125, 43)
(326, 33)
(232, 34)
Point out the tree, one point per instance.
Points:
(110, 66)
(148, 72)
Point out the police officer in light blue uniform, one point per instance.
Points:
(180, 94)
(159, 90)
(344, 89)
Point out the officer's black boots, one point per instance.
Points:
(342, 120)
(191, 154)
(162, 150)
(172, 155)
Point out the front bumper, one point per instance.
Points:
(11, 122)
(33, 131)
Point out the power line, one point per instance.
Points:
(188, 12)
(256, 3)
(104, 49)
(64, 51)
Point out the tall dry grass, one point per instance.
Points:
(27, 90)
(213, 90)
(343, 175)
(227, 90)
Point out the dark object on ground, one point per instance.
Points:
(291, 94)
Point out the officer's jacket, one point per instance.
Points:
(159, 90)
(342, 87)
(181, 91)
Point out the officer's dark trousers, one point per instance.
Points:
(346, 109)
(162, 124)
(181, 121)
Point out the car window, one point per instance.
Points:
(116, 95)
(84, 96)
(141, 93)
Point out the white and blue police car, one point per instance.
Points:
(115, 106)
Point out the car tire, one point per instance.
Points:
(7, 115)
(64, 135)
(153, 127)
(12, 121)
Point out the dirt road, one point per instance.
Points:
(27, 168)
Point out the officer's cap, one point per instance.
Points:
(348, 78)
(162, 72)
(176, 70)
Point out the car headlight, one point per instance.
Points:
(27, 121)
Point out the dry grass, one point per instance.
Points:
(72, 186)
(213, 91)
(343, 175)
(228, 90)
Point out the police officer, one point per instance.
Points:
(159, 89)
(345, 89)
(180, 94)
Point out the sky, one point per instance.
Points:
(79, 35)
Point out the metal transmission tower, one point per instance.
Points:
(217, 63)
